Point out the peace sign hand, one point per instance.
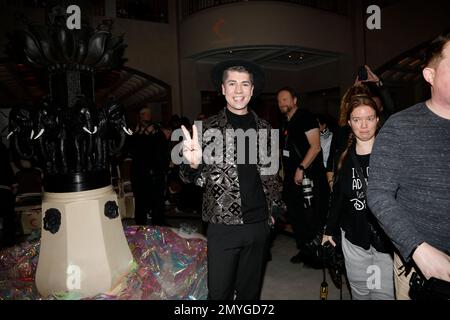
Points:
(192, 150)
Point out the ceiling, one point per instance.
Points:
(22, 85)
(405, 68)
(271, 57)
(402, 70)
(132, 88)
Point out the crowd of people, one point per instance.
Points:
(388, 176)
(376, 186)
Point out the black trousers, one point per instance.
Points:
(148, 191)
(9, 217)
(236, 260)
(306, 222)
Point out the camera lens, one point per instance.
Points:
(307, 188)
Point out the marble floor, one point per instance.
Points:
(283, 280)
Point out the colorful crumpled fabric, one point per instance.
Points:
(166, 266)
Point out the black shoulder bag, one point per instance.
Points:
(431, 289)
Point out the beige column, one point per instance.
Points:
(88, 253)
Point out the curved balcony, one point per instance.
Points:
(264, 24)
(189, 7)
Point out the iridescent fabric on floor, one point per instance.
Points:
(167, 266)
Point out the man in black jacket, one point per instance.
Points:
(306, 201)
(149, 149)
(238, 196)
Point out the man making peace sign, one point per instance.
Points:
(238, 195)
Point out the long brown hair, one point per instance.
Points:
(356, 101)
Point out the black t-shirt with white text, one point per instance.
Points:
(349, 209)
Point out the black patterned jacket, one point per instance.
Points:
(221, 198)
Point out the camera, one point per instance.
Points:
(307, 189)
(362, 73)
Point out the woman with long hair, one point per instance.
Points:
(342, 131)
(367, 250)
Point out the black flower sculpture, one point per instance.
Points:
(52, 220)
(54, 46)
(67, 133)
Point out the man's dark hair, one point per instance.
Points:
(434, 51)
(238, 69)
(322, 118)
(288, 89)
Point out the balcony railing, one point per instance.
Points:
(88, 7)
(149, 10)
(189, 7)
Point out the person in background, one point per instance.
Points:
(302, 163)
(409, 190)
(174, 183)
(370, 85)
(326, 136)
(148, 148)
(340, 136)
(364, 243)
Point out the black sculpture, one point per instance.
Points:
(69, 136)
(72, 138)
(21, 131)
